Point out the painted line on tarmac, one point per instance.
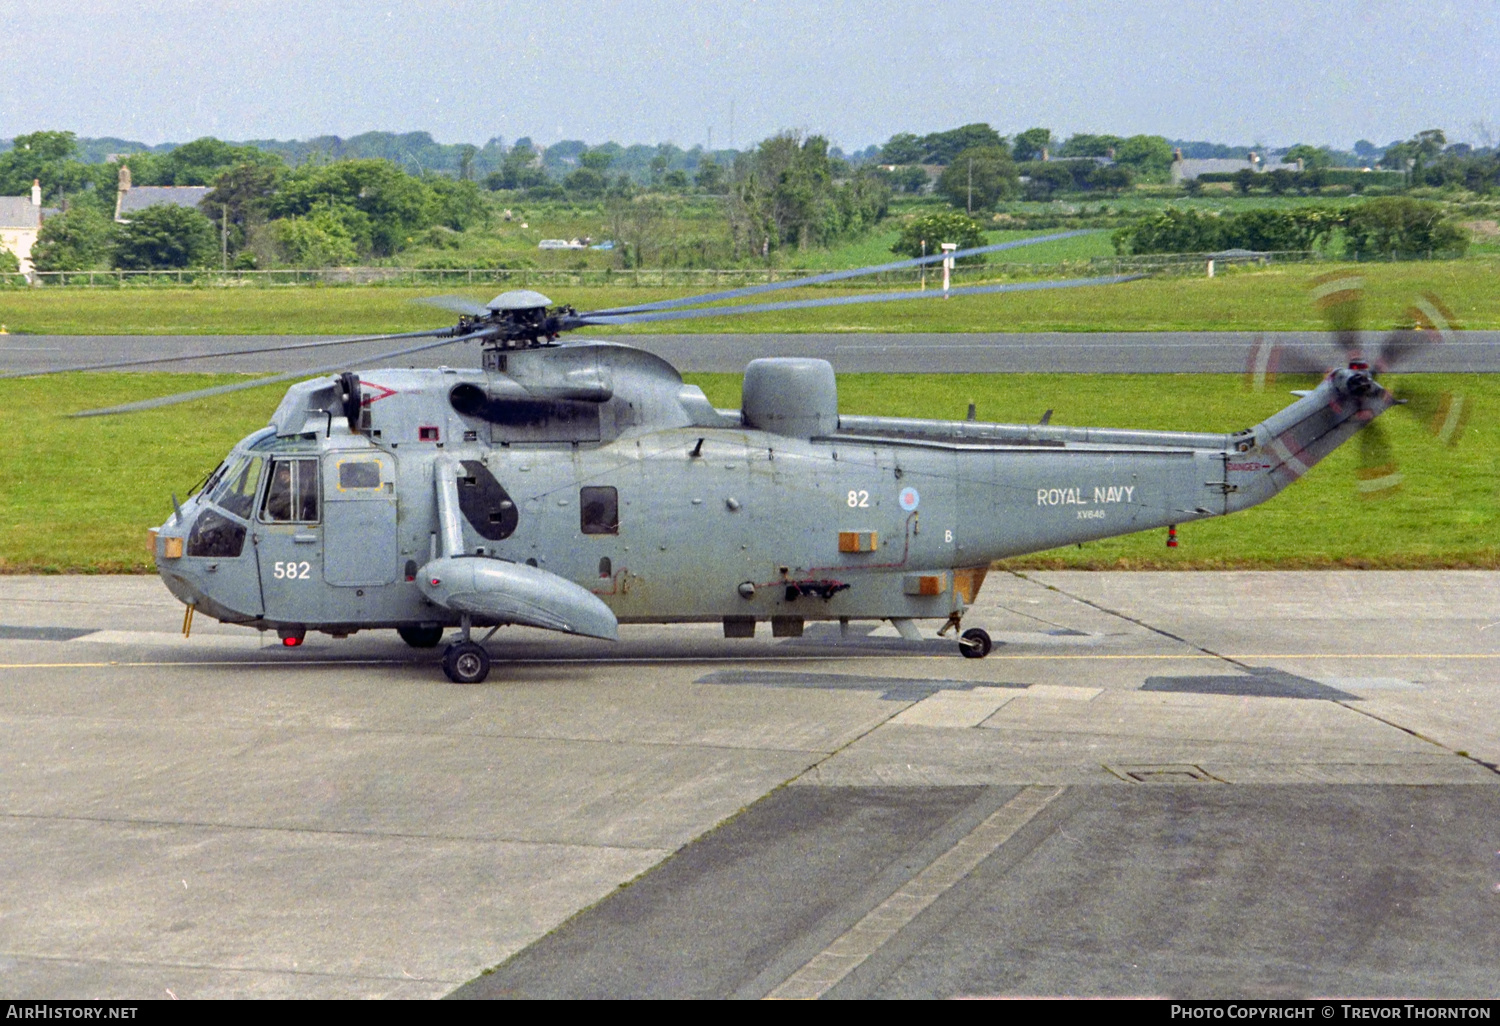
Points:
(829, 967)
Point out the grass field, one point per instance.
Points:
(79, 495)
(1270, 299)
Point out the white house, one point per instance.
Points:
(20, 221)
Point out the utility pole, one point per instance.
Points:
(224, 234)
(971, 190)
(924, 266)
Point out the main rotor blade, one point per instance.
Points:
(819, 279)
(882, 297)
(458, 304)
(117, 364)
(240, 386)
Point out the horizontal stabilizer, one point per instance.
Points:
(495, 591)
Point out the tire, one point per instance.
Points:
(975, 643)
(466, 662)
(421, 637)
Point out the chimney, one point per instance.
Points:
(1045, 157)
(1177, 154)
(36, 192)
(1110, 153)
(124, 177)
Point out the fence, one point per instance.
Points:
(666, 278)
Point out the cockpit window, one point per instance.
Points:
(292, 496)
(235, 489)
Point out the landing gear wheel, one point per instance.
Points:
(466, 662)
(974, 643)
(421, 637)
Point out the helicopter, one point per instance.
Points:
(575, 486)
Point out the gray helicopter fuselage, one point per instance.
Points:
(595, 463)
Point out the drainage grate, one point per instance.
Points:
(1166, 773)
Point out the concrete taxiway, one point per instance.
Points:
(1247, 784)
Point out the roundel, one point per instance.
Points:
(909, 499)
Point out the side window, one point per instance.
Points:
(358, 474)
(599, 511)
(292, 495)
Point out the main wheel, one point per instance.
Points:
(466, 662)
(421, 637)
(975, 643)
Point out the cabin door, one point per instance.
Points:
(360, 545)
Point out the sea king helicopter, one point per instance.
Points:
(578, 485)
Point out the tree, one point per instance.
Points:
(1172, 231)
(925, 235)
(596, 160)
(979, 177)
(944, 147)
(1112, 179)
(710, 177)
(165, 236)
(1149, 156)
(242, 198)
(41, 156)
(1046, 178)
(322, 239)
(902, 148)
(1083, 145)
(1396, 225)
(78, 239)
(1312, 157)
(585, 182)
(638, 225)
(9, 262)
(1030, 144)
(382, 205)
(520, 170)
(202, 161)
(783, 193)
(466, 154)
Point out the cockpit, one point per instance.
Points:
(230, 493)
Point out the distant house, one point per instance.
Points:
(20, 221)
(1189, 169)
(132, 199)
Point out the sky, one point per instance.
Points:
(1266, 72)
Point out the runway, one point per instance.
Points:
(1145, 352)
(1185, 785)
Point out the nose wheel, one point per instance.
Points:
(974, 643)
(466, 662)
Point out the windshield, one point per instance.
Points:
(235, 490)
